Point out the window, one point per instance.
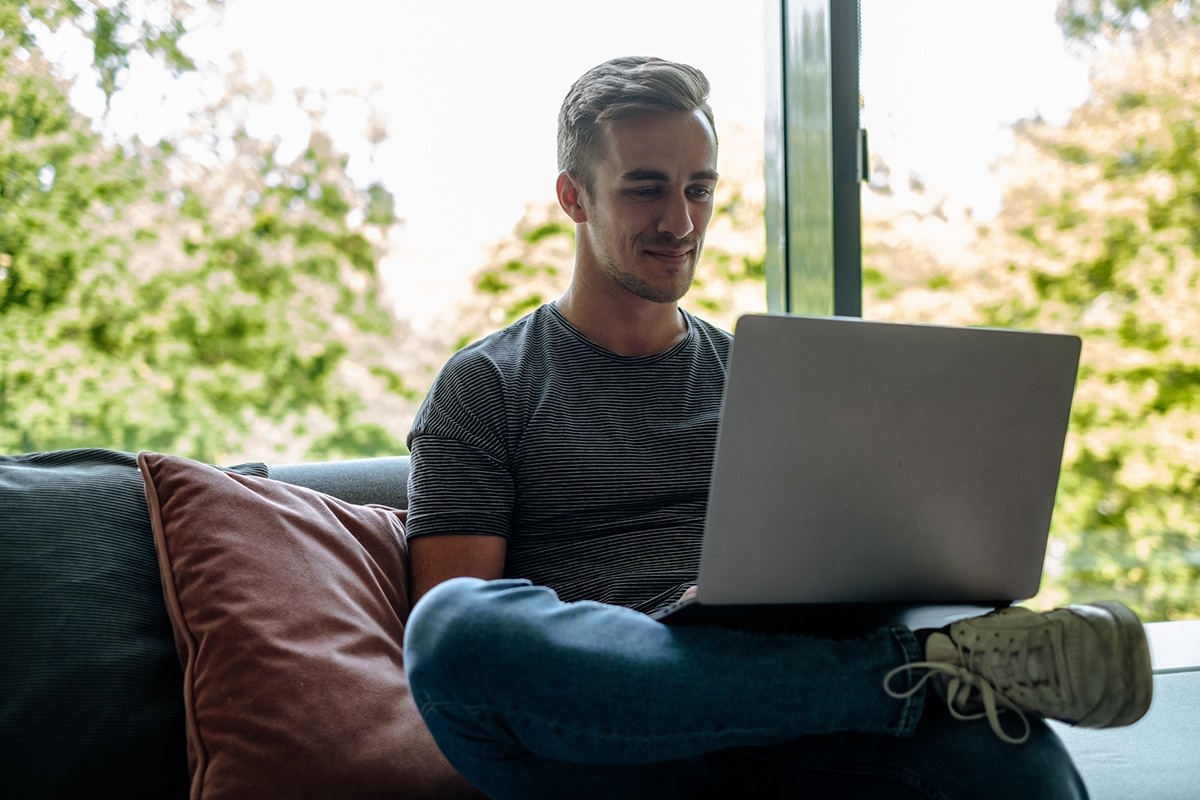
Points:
(281, 281)
(1013, 192)
(220, 297)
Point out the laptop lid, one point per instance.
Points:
(878, 462)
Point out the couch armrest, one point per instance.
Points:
(1156, 757)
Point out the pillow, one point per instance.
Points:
(288, 608)
(90, 700)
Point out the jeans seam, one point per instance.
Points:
(913, 707)
(484, 715)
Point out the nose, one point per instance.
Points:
(676, 219)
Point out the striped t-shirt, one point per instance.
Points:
(594, 465)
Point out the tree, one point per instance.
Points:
(1100, 236)
(1110, 241)
(151, 299)
(1089, 20)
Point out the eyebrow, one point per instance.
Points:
(655, 175)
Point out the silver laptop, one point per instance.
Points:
(870, 467)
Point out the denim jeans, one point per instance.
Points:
(530, 697)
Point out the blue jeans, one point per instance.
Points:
(530, 697)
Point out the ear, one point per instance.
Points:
(571, 196)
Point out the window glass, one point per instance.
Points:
(1032, 168)
(260, 237)
(470, 100)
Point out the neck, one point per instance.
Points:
(633, 328)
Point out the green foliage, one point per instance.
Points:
(381, 206)
(1029, 234)
(1085, 280)
(1129, 510)
(514, 284)
(1128, 101)
(136, 313)
(549, 229)
(110, 55)
(1100, 236)
(1065, 214)
(353, 440)
(394, 382)
(1084, 20)
(1071, 153)
(940, 282)
(527, 271)
(878, 284)
(114, 29)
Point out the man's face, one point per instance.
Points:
(650, 202)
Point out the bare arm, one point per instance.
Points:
(434, 559)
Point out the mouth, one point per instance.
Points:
(672, 256)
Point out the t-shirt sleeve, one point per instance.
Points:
(459, 480)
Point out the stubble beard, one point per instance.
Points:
(641, 288)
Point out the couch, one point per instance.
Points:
(171, 628)
(274, 666)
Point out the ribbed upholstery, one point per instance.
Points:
(90, 701)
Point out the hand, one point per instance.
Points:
(689, 592)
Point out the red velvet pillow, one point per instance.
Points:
(288, 608)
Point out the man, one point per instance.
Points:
(558, 486)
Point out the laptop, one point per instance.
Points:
(878, 472)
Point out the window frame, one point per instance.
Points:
(815, 150)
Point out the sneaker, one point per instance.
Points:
(1086, 665)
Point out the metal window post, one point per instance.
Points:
(814, 158)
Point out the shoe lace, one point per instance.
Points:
(960, 682)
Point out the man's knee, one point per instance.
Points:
(456, 627)
(444, 615)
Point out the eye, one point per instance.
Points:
(702, 192)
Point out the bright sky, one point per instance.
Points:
(943, 81)
(470, 90)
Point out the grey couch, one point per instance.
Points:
(172, 629)
(89, 698)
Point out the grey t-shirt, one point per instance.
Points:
(594, 465)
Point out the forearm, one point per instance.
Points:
(434, 559)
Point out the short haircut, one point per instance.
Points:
(619, 89)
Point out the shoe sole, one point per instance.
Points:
(1130, 691)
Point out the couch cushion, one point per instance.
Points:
(90, 683)
(288, 608)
